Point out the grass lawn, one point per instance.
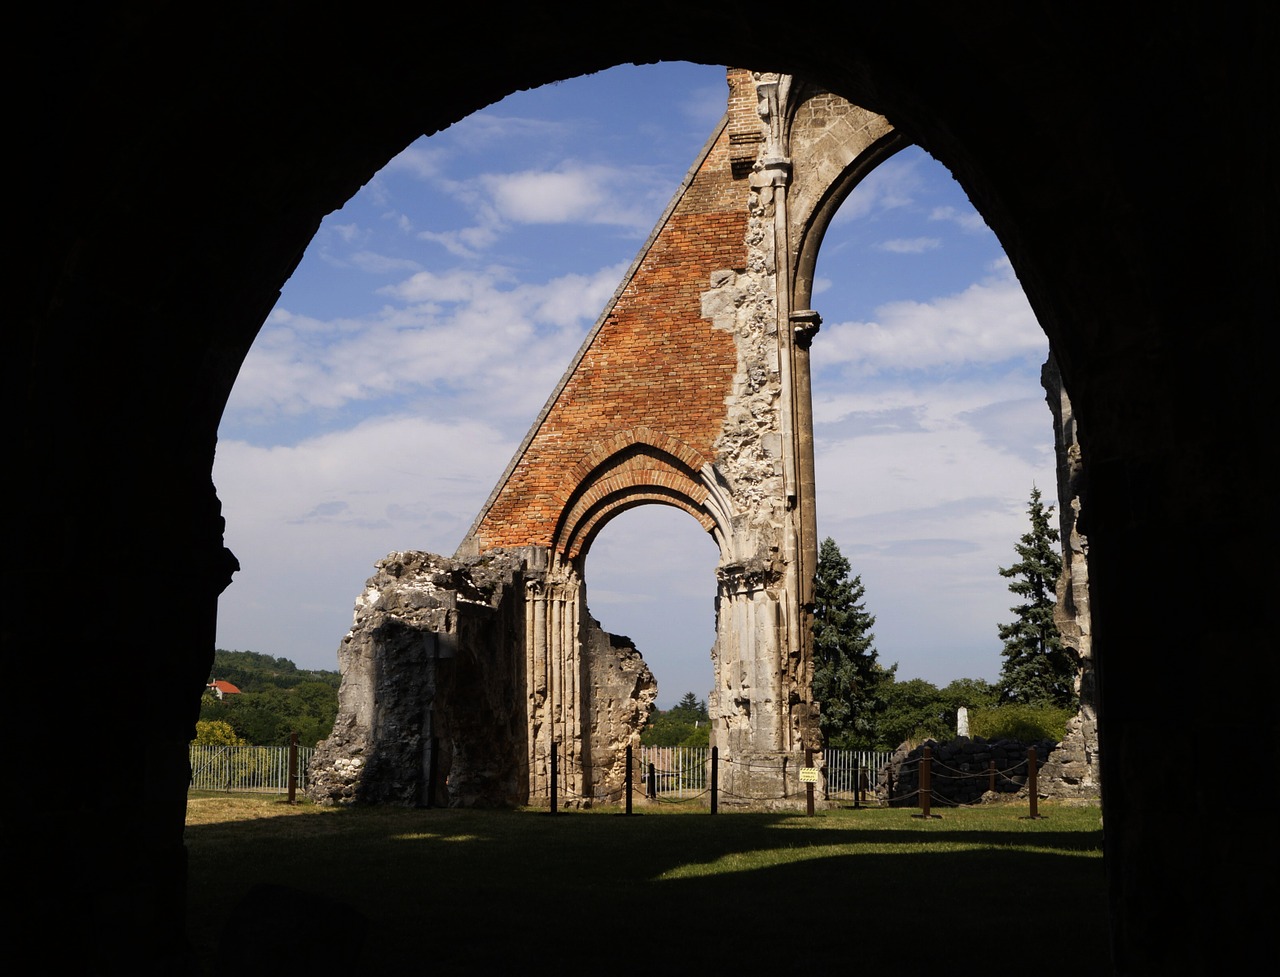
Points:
(384, 889)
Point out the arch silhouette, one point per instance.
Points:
(198, 135)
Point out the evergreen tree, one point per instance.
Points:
(1037, 668)
(847, 680)
(684, 724)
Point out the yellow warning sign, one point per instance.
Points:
(808, 775)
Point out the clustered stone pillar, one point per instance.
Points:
(555, 618)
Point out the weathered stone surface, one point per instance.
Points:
(432, 708)
(619, 699)
(1075, 769)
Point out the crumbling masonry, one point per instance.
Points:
(692, 390)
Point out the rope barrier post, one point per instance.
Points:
(991, 777)
(808, 787)
(627, 788)
(293, 768)
(1032, 788)
(857, 783)
(653, 783)
(715, 779)
(433, 771)
(926, 785)
(554, 772)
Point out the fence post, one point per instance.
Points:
(627, 788)
(926, 784)
(433, 771)
(293, 768)
(1032, 788)
(653, 782)
(715, 779)
(554, 772)
(857, 782)
(991, 778)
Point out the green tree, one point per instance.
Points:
(1022, 722)
(215, 732)
(915, 710)
(1037, 667)
(684, 724)
(847, 678)
(276, 699)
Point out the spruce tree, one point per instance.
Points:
(847, 679)
(1037, 668)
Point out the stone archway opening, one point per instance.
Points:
(1157, 325)
(650, 575)
(686, 394)
(938, 407)
(930, 420)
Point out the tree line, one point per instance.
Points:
(864, 706)
(276, 699)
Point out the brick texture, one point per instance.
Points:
(638, 416)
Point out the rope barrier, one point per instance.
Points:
(938, 780)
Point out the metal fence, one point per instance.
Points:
(678, 771)
(683, 771)
(256, 769)
(846, 769)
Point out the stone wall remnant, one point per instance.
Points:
(432, 706)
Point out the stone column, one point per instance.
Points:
(553, 650)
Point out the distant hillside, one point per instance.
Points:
(253, 672)
(277, 699)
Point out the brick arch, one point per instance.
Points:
(603, 514)
(632, 468)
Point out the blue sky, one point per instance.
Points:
(434, 313)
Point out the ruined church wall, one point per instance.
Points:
(428, 667)
(435, 700)
(653, 362)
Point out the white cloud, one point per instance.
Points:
(967, 220)
(573, 193)
(893, 184)
(459, 333)
(381, 264)
(988, 322)
(420, 160)
(914, 245)
(486, 129)
(307, 521)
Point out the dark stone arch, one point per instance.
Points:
(1089, 147)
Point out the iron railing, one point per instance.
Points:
(256, 769)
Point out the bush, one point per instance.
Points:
(215, 732)
(1021, 722)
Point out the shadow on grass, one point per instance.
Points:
(506, 891)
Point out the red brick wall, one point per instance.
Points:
(654, 366)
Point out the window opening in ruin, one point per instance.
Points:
(930, 423)
(650, 575)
